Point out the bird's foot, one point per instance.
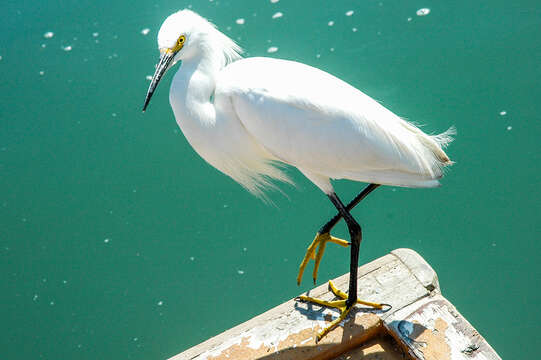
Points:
(337, 304)
(319, 243)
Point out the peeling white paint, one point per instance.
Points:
(266, 334)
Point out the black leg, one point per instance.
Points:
(355, 234)
(331, 223)
(317, 248)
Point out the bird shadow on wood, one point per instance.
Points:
(310, 352)
(381, 347)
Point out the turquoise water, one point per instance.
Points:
(117, 241)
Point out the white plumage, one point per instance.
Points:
(245, 115)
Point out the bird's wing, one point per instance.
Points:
(316, 122)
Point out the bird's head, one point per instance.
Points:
(185, 35)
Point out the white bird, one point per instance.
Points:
(246, 116)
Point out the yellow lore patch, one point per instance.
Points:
(179, 44)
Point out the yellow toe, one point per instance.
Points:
(319, 243)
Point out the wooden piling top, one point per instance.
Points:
(421, 324)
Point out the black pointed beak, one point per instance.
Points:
(165, 59)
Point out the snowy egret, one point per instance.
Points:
(245, 116)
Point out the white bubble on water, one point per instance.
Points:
(67, 48)
(410, 18)
(35, 297)
(106, 240)
(354, 29)
(503, 113)
(330, 23)
(277, 15)
(48, 35)
(42, 72)
(240, 272)
(192, 258)
(349, 13)
(145, 31)
(274, 1)
(272, 49)
(509, 128)
(95, 34)
(160, 303)
(240, 21)
(148, 77)
(423, 12)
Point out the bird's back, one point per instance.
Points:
(322, 125)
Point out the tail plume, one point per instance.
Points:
(443, 140)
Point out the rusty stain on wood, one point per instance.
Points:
(433, 343)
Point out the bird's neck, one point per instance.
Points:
(191, 91)
(190, 97)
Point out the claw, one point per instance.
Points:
(319, 243)
(320, 251)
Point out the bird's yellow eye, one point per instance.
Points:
(180, 43)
